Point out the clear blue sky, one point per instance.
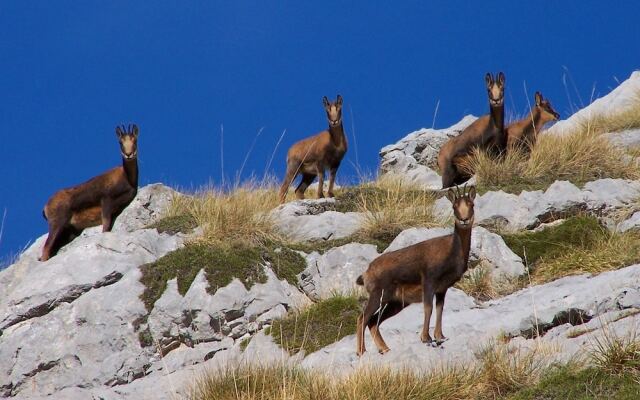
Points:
(70, 71)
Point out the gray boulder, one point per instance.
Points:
(414, 157)
(523, 315)
(528, 210)
(305, 220)
(335, 271)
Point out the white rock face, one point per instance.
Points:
(146, 207)
(414, 157)
(539, 308)
(486, 247)
(618, 100)
(335, 271)
(305, 220)
(633, 223)
(68, 321)
(529, 209)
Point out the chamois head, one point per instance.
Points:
(334, 110)
(128, 138)
(462, 205)
(545, 106)
(495, 89)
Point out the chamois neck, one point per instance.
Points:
(464, 236)
(337, 133)
(130, 166)
(497, 116)
(534, 122)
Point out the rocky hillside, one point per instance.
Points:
(140, 312)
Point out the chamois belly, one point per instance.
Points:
(408, 293)
(86, 218)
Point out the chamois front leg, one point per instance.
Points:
(437, 333)
(107, 214)
(427, 300)
(49, 248)
(320, 173)
(332, 178)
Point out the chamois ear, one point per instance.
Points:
(488, 79)
(472, 193)
(501, 78)
(538, 98)
(119, 132)
(339, 100)
(451, 195)
(134, 131)
(325, 101)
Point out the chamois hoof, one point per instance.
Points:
(331, 195)
(320, 196)
(441, 340)
(383, 351)
(426, 340)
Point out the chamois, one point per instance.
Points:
(311, 156)
(99, 200)
(487, 132)
(524, 133)
(415, 274)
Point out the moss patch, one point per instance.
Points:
(184, 223)
(221, 263)
(322, 246)
(575, 232)
(565, 383)
(318, 326)
(578, 245)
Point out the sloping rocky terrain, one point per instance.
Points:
(76, 326)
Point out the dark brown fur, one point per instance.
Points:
(524, 133)
(487, 132)
(311, 156)
(98, 201)
(416, 274)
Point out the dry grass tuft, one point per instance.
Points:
(579, 157)
(616, 354)
(477, 282)
(500, 370)
(390, 206)
(504, 369)
(238, 214)
(609, 253)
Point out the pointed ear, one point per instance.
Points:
(472, 193)
(339, 100)
(134, 131)
(119, 132)
(451, 195)
(488, 79)
(538, 98)
(325, 101)
(501, 78)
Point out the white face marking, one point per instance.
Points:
(128, 145)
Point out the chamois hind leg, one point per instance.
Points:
(289, 176)
(437, 333)
(427, 301)
(363, 320)
(332, 178)
(391, 309)
(304, 184)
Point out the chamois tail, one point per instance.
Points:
(360, 281)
